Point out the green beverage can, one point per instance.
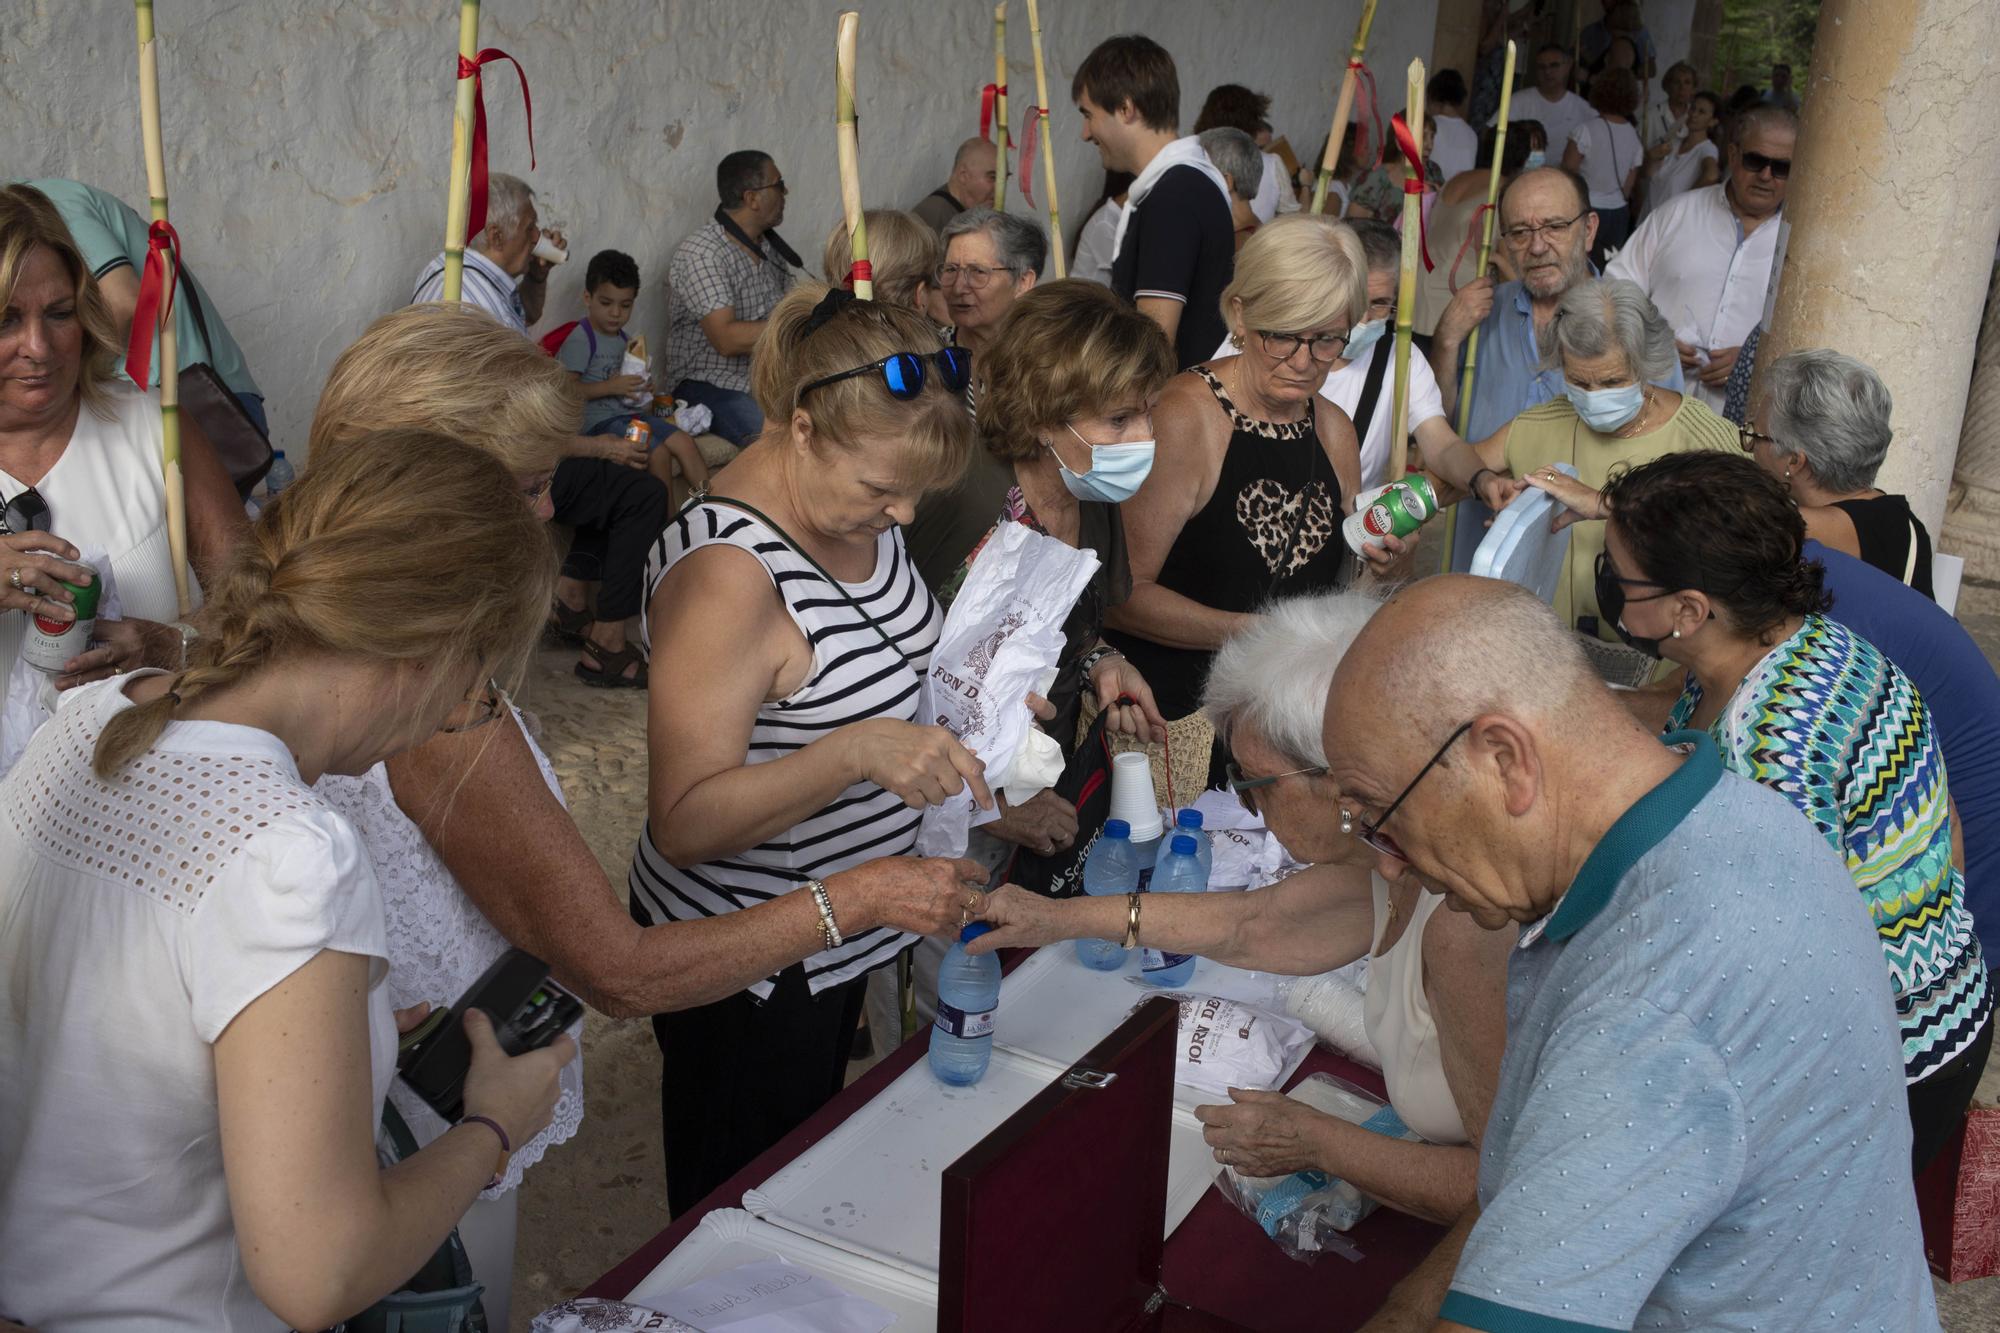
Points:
(1395, 510)
(49, 643)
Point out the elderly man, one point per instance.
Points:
(1550, 101)
(1235, 155)
(1709, 257)
(726, 277)
(973, 180)
(1700, 1119)
(502, 275)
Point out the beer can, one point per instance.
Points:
(50, 643)
(639, 433)
(1395, 510)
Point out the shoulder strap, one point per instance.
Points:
(1910, 565)
(818, 568)
(1371, 391)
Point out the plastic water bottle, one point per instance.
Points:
(968, 993)
(1188, 822)
(280, 475)
(1111, 869)
(1181, 872)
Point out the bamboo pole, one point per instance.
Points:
(1343, 108)
(1002, 140)
(458, 196)
(1048, 144)
(1406, 287)
(169, 354)
(1486, 235)
(847, 39)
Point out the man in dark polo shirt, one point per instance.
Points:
(1176, 246)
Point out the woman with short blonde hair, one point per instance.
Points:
(903, 252)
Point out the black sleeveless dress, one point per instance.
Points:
(1271, 529)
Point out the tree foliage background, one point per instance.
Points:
(1757, 34)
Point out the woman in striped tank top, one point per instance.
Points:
(792, 633)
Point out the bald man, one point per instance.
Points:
(1700, 1120)
(971, 185)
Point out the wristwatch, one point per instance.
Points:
(188, 635)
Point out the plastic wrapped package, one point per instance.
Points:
(1229, 1044)
(1333, 1004)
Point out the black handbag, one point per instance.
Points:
(1086, 784)
(443, 1295)
(238, 441)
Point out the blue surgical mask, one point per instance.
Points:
(1605, 410)
(1362, 337)
(1536, 158)
(1116, 470)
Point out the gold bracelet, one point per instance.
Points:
(1132, 921)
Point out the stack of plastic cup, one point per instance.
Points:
(1134, 800)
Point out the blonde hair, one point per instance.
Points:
(29, 218)
(1298, 272)
(455, 370)
(398, 547)
(934, 429)
(1065, 350)
(902, 250)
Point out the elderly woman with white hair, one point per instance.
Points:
(1235, 155)
(1613, 348)
(1436, 1001)
(1823, 429)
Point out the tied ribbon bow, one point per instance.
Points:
(1364, 79)
(1414, 183)
(1030, 137)
(475, 218)
(989, 98)
(1471, 235)
(156, 299)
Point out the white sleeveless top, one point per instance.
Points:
(855, 676)
(1397, 1015)
(106, 492)
(439, 942)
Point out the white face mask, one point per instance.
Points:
(1116, 470)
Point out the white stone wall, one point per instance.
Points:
(308, 140)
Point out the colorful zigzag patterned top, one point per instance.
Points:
(1830, 722)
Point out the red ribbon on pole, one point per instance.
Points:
(1364, 79)
(859, 271)
(156, 300)
(1030, 136)
(1471, 235)
(989, 96)
(475, 219)
(1415, 182)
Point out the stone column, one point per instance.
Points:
(1894, 208)
(1972, 520)
(1701, 45)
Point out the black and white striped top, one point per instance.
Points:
(855, 677)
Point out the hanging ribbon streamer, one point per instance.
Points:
(1365, 81)
(988, 96)
(1471, 236)
(156, 299)
(1030, 137)
(475, 221)
(1414, 183)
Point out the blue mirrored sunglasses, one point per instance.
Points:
(903, 372)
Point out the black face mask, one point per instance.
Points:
(1611, 606)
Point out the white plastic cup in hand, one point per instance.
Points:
(1133, 798)
(549, 252)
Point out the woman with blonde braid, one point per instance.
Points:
(198, 1034)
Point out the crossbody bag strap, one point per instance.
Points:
(818, 568)
(1371, 391)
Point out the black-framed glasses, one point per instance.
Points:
(1325, 347)
(1607, 572)
(973, 276)
(903, 372)
(484, 706)
(1750, 438)
(1757, 164)
(1247, 787)
(533, 493)
(26, 512)
(778, 185)
(1524, 233)
(1370, 831)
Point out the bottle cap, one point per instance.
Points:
(1189, 817)
(1132, 796)
(1117, 828)
(277, 453)
(1184, 844)
(973, 931)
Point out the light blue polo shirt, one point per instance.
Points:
(1701, 1120)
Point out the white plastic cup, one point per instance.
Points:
(549, 252)
(1133, 798)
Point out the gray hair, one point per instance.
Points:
(507, 202)
(1235, 155)
(1382, 243)
(1833, 411)
(1023, 245)
(1761, 117)
(1273, 677)
(1600, 315)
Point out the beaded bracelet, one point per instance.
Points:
(829, 929)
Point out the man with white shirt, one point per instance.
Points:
(1550, 101)
(1457, 144)
(1708, 258)
(1175, 249)
(502, 275)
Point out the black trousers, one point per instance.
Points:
(740, 1074)
(1938, 1103)
(617, 512)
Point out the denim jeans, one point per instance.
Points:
(737, 418)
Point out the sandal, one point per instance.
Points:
(609, 674)
(567, 626)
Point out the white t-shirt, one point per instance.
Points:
(1677, 173)
(138, 917)
(1456, 148)
(1092, 261)
(1610, 150)
(1559, 118)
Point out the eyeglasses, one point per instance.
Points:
(1370, 831)
(974, 277)
(1245, 787)
(26, 512)
(1606, 572)
(484, 706)
(903, 372)
(533, 494)
(778, 185)
(1325, 347)
(1757, 164)
(1749, 439)
(1523, 234)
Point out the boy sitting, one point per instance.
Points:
(595, 351)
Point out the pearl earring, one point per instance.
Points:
(1676, 634)
(1347, 821)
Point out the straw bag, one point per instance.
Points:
(1180, 767)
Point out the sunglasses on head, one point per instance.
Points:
(26, 512)
(1756, 164)
(903, 372)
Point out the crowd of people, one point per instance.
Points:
(1680, 985)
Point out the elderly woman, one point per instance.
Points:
(1823, 429)
(989, 259)
(1436, 1000)
(903, 254)
(797, 635)
(1612, 348)
(1704, 565)
(1254, 473)
(80, 461)
(1235, 155)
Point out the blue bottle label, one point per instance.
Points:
(1157, 961)
(958, 1023)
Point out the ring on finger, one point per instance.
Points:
(14, 577)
